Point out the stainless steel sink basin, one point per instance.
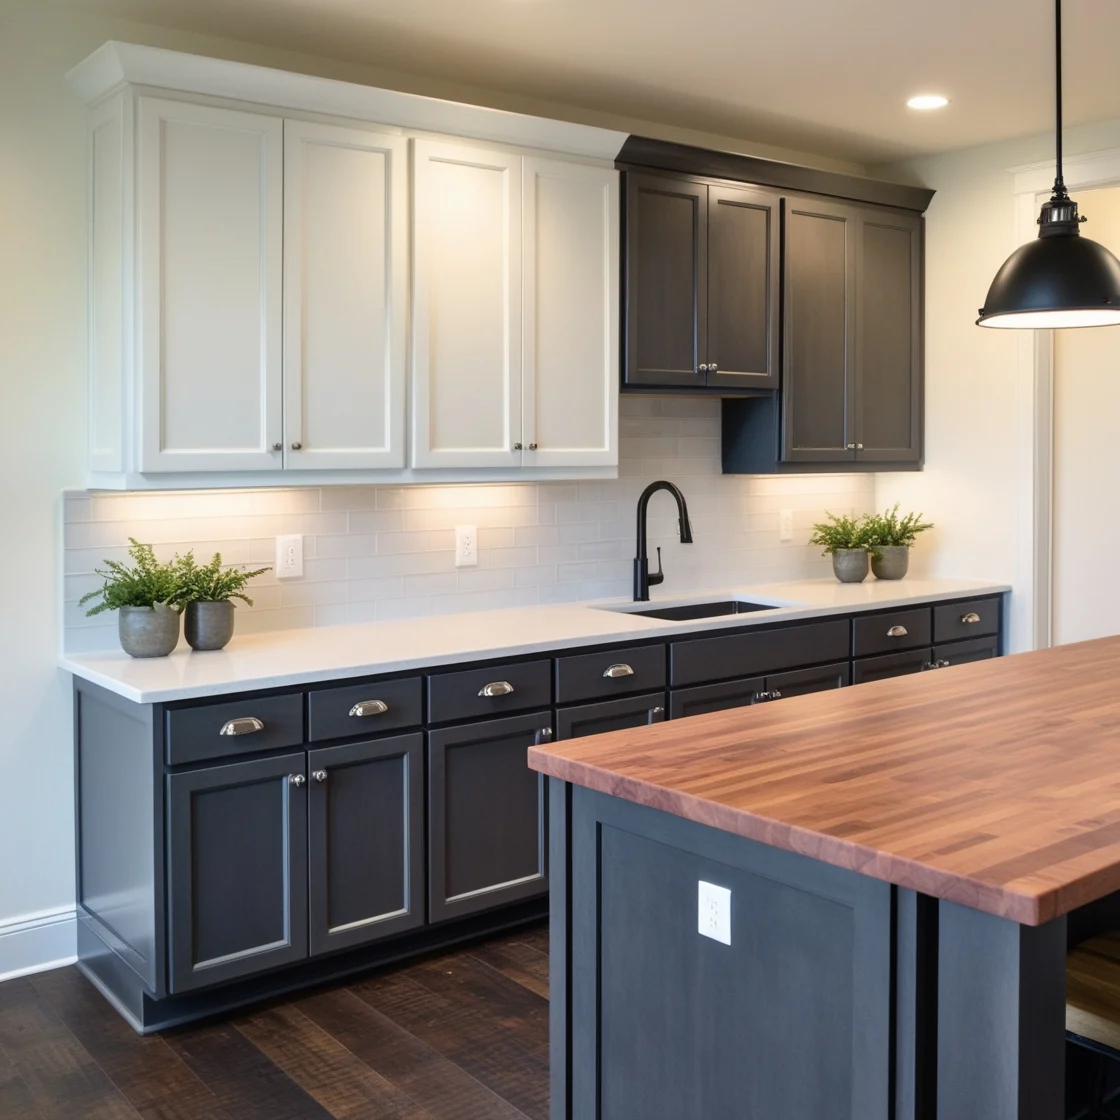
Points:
(690, 611)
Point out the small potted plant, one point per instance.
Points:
(888, 538)
(208, 592)
(842, 538)
(144, 597)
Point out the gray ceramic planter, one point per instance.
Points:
(148, 631)
(209, 625)
(892, 562)
(850, 565)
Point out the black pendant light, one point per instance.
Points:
(1061, 279)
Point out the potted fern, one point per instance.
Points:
(843, 539)
(208, 591)
(144, 595)
(888, 538)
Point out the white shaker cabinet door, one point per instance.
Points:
(570, 287)
(210, 196)
(466, 310)
(345, 292)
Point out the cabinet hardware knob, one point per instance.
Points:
(277, 447)
(850, 447)
(297, 780)
(712, 367)
(703, 367)
(297, 446)
(765, 697)
(620, 670)
(656, 714)
(859, 446)
(943, 664)
(369, 708)
(928, 665)
(496, 688)
(897, 632)
(532, 447)
(246, 725)
(970, 619)
(320, 775)
(519, 446)
(544, 735)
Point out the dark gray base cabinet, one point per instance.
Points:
(487, 822)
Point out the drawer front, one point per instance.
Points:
(802, 681)
(762, 651)
(887, 633)
(715, 697)
(196, 734)
(489, 692)
(891, 665)
(610, 715)
(961, 653)
(953, 621)
(365, 709)
(611, 672)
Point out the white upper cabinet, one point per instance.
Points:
(345, 293)
(570, 314)
(210, 199)
(466, 307)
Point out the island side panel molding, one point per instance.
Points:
(1001, 1017)
(559, 946)
(808, 973)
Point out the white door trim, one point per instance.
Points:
(1032, 616)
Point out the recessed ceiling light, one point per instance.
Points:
(928, 101)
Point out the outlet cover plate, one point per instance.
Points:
(289, 556)
(466, 546)
(714, 912)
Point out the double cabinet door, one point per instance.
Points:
(851, 388)
(515, 311)
(702, 286)
(273, 265)
(276, 859)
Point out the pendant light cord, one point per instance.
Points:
(1059, 179)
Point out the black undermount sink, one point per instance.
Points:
(704, 610)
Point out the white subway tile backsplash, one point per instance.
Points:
(387, 552)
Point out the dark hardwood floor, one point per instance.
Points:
(461, 1035)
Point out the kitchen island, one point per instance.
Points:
(900, 857)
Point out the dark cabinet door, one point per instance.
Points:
(666, 281)
(237, 867)
(888, 338)
(486, 816)
(866, 669)
(743, 288)
(802, 681)
(365, 841)
(819, 351)
(610, 715)
(705, 698)
(963, 653)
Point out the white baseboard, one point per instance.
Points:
(37, 942)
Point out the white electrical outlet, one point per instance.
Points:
(466, 546)
(289, 556)
(714, 912)
(785, 522)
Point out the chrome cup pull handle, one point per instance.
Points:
(246, 725)
(369, 708)
(970, 619)
(496, 688)
(620, 670)
(897, 632)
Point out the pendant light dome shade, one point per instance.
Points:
(1061, 279)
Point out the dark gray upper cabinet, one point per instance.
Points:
(237, 863)
(365, 841)
(486, 815)
(701, 304)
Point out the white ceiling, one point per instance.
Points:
(827, 76)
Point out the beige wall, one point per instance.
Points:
(42, 398)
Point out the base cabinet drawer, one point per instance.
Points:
(234, 727)
(487, 841)
(891, 632)
(365, 709)
(962, 653)
(237, 870)
(612, 672)
(868, 669)
(610, 715)
(365, 841)
(483, 693)
(972, 619)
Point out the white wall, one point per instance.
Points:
(977, 402)
(42, 405)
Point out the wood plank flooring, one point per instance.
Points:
(460, 1035)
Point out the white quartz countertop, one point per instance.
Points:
(296, 657)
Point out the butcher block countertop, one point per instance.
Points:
(995, 785)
